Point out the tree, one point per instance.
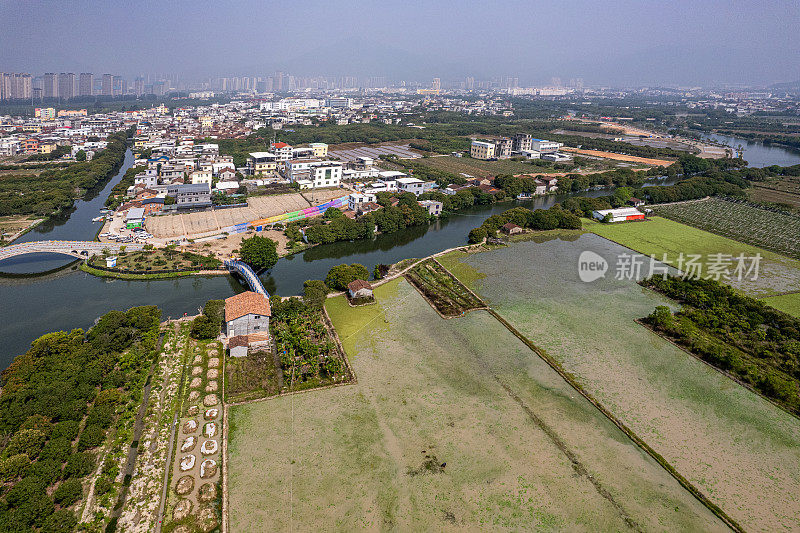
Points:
(477, 235)
(68, 492)
(333, 213)
(80, 156)
(314, 293)
(381, 271)
(259, 252)
(204, 327)
(62, 521)
(341, 275)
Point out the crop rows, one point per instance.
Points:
(771, 230)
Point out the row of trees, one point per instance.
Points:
(540, 219)
(756, 343)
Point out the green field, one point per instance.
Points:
(777, 232)
(658, 236)
(452, 425)
(482, 169)
(788, 303)
(737, 448)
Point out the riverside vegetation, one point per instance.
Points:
(59, 403)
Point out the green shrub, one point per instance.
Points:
(62, 521)
(68, 492)
(67, 429)
(27, 441)
(341, 275)
(91, 437)
(103, 485)
(58, 449)
(314, 293)
(204, 328)
(13, 467)
(79, 465)
(48, 470)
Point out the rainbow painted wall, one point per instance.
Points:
(292, 216)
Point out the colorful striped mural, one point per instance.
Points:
(290, 217)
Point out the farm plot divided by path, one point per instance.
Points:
(777, 232)
(737, 448)
(658, 236)
(348, 155)
(453, 425)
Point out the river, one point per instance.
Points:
(758, 154)
(49, 294)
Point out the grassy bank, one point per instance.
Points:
(125, 275)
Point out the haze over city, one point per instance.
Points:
(619, 44)
(399, 266)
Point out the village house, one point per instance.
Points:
(511, 229)
(359, 289)
(247, 320)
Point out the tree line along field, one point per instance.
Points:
(737, 448)
(452, 425)
(771, 230)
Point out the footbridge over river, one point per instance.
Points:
(252, 279)
(79, 249)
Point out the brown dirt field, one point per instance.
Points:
(223, 248)
(207, 223)
(620, 157)
(764, 194)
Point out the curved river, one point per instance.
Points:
(44, 292)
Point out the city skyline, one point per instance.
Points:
(620, 45)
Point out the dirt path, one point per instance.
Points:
(138, 428)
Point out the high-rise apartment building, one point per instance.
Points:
(50, 85)
(86, 84)
(15, 86)
(67, 85)
(138, 86)
(108, 85)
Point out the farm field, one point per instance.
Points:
(773, 231)
(620, 157)
(452, 425)
(766, 193)
(788, 303)
(737, 448)
(658, 236)
(450, 297)
(483, 169)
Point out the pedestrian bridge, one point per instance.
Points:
(248, 274)
(79, 249)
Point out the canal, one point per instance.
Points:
(44, 292)
(758, 154)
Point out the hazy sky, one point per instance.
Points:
(605, 42)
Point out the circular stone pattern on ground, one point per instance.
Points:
(207, 493)
(187, 462)
(188, 444)
(190, 426)
(193, 410)
(211, 414)
(212, 386)
(209, 447)
(208, 518)
(212, 374)
(184, 485)
(197, 359)
(196, 382)
(208, 468)
(210, 429)
(210, 400)
(213, 362)
(194, 395)
(196, 371)
(182, 509)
